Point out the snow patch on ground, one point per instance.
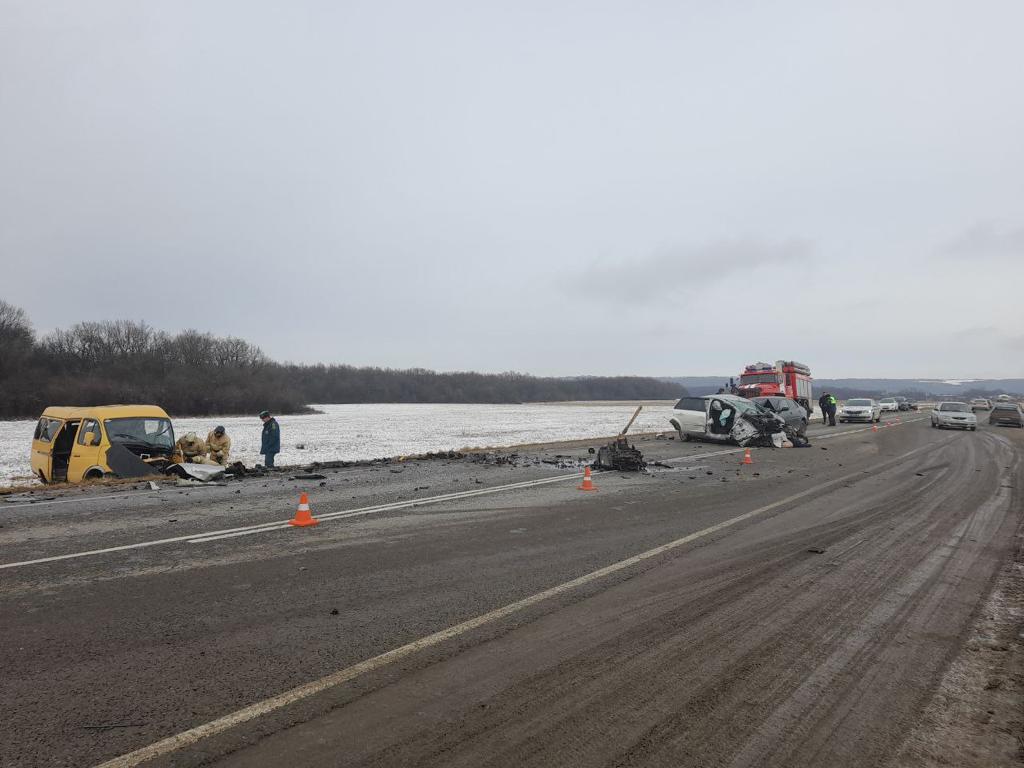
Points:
(351, 432)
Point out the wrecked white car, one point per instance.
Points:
(729, 419)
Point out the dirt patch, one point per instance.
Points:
(976, 719)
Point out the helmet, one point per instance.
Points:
(218, 430)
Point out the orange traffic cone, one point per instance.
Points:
(747, 458)
(874, 427)
(303, 516)
(588, 484)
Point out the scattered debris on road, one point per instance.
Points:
(619, 455)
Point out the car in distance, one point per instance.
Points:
(860, 409)
(1006, 413)
(980, 404)
(790, 411)
(889, 404)
(953, 414)
(902, 404)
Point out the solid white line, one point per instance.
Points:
(193, 735)
(201, 538)
(695, 456)
(276, 524)
(84, 499)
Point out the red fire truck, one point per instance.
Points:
(786, 378)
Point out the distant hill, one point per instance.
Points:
(919, 388)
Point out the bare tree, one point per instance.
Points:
(16, 338)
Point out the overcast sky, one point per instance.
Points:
(550, 187)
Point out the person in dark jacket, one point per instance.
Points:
(270, 444)
(833, 405)
(823, 407)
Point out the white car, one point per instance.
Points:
(889, 404)
(860, 409)
(953, 414)
(717, 417)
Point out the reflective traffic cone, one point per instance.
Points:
(874, 427)
(747, 458)
(588, 484)
(303, 516)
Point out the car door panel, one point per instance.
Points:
(691, 413)
(86, 451)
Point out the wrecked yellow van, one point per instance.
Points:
(75, 444)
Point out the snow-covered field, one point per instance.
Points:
(347, 432)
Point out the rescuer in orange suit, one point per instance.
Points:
(220, 445)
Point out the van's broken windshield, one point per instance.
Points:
(152, 433)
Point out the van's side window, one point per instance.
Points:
(47, 429)
(90, 427)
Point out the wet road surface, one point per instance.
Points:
(799, 611)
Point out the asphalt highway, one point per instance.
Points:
(799, 611)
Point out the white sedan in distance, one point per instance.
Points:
(953, 414)
(889, 404)
(860, 409)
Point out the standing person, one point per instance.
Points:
(823, 407)
(220, 446)
(270, 444)
(832, 405)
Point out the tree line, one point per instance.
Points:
(193, 373)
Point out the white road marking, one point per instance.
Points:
(260, 708)
(200, 538)
(227, 533)
(280, 524)
(84, 499)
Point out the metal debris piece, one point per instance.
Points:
(619, 455)
(201, 472)
(124, 463)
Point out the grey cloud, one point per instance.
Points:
(414, 184)
(1014, 343)
(686, 268)
(988, 240)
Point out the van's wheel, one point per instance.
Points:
(94, 474)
